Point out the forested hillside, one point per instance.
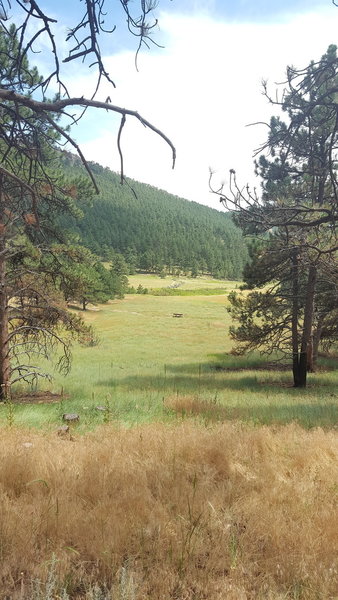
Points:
(154, 230)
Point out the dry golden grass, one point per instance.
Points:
(179, 512)
(192, 406)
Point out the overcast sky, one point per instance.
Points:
(202, 88)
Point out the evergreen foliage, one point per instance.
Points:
(295, 260)
(155, 231)
(34, 319)
(83, 279)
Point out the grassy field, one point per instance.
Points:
(186, 283)
(224, 487)
(150, 365)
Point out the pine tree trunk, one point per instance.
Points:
(316, 339)
(309, 356)
(307, 325)
(4, 348)
(295, 311)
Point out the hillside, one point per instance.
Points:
(154, 229)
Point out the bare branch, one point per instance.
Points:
(44, 108)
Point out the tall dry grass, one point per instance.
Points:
(171, 512)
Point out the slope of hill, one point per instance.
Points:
(154, 229)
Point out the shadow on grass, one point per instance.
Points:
(199, 381)
(263, 397)
(211, 368)
(229, 363)
(261, 403)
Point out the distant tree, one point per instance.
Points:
(118, 276)
(148, 260)
(141, 290)
(194, 269)
(131, 259)
(84, 279)
(119, 265)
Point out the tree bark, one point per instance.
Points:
(307, 325)
(309, 356)
(316, 339)
(294, 318)
(4, 346)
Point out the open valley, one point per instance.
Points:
(192, 473)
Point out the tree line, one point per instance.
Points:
(155, 231)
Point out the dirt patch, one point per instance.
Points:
(89, 307)
(43, 397)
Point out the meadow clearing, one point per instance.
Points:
(206, 477)
(149, 365)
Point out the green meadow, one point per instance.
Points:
(151, 282)
(150, 365)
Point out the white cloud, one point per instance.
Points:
(201, 90)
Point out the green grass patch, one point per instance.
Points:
(187, 292)
(145, 357)
(152, 281)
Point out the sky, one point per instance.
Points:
(202, 89)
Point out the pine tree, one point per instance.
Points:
(296, 219)
(33, 314)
